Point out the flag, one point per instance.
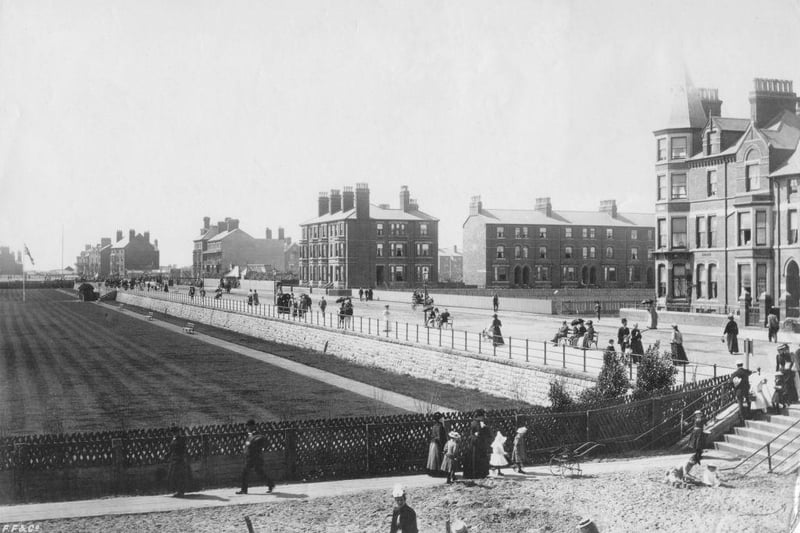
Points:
(28, 253)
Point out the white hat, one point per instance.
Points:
(454, 435)
(522, 430)
(398, 491)
(458, 527)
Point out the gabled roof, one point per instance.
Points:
(730, 124)
(783, 132)
(578, 218)
(121, 243)
(375, 213)
(210, 232)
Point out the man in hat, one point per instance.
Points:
(697, 439)
(623, 336)
(740, 380)
(178, 465)
(404, 519)
(481, 449)
(783, 358)
(730, 335)
(253, 459)
(772, 325)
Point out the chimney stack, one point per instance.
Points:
(609, 206)
(712, 105)
(269, 234)
(475, 205)
(105, 241)
(348, 198)
(543, 205)
(221, 226)
(770, 97)
(233, 223)
(119, 235)
(88, 247)
(324, 204)
(147, 236)
(280, 233)
(413, 205)
(335, 201)
(362, 201)
(455, 248)
(206, 222)
(131, 235)
(155, 244)
(405, 196)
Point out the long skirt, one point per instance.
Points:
(733, 343)
(434, 457)
(497, 336)
(679, 354)
(448, 464)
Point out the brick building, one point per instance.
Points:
(544, 248)
(352, 243)
(225, 245)
(134, 254)
(451, 265)
(94, 262)
(727, 201)
(10, 265)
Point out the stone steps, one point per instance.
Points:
(750, 439)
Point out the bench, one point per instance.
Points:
(445, 324)
(150, 316)
(189, 327)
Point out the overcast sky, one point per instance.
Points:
(151, 114)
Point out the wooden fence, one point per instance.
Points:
(58, 467)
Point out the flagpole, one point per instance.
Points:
(23, 279)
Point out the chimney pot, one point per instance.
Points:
(543, 205)
(280, 233)
(206, 222)
(131, 234)
(324, 204)
(269, 234)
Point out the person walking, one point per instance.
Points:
(178, 474)
(450, 459)
(435, 445)
(588, 335)
(497, 334)
(730, 335)
(483, 444)
(499, 457)
(255, 297)
(404, 519)
(623, 336)
(495, 303)
(519, 455)
(361, 294)
(323, 304)
(696, 441)
(772, 325)
(676, 342)
(740, 379)
(253, 445)
(386, 318)
(597, 309)
(637, 350)
(250, 297)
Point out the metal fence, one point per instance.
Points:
(521, 350)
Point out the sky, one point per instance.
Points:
(151, 114)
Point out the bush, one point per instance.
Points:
(656, 370)
(559, 397)
(613, 379)
(590, 396)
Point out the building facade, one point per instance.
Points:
(727, 201)
(94, 262)
(543, 248)
(9, 264)
(133, 255)
(352, 243)
(451, 265)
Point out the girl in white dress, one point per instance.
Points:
(499, 456)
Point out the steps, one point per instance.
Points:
(756, 433)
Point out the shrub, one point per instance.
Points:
(656, 370)
(590, 396)
(559, 397)
(613, 379)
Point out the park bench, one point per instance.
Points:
(189, 327)
(150, 316)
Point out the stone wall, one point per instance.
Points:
(511, 379)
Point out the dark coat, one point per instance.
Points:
(404, 520)
(744, 385)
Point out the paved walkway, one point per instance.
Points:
(224, 497)
(374, 393)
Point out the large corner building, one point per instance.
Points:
(727, 201)
(352, 243)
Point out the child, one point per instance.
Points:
(763, 396)
(499, 456)
(519, 455)
(450, 455)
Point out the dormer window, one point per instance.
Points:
(752, 172)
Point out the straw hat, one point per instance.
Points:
(454, 435)
(522, 430)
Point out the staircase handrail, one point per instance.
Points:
(769, 455)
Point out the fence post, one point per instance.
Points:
(361, 324)
(564, 355)
(684, 374)
(205, 452)
(417, 327)
(715, 369)
(369, 326)
(396, 334)
(479, 343)
(509, 347)
(769, 459)
(544, 344)
(366, 455)
(452, 338)
(428, 336)
(584, 359)
(118, 460)
(290, 453)
(406, 331)
(440, 337)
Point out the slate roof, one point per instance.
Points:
(375, 213)
(575, 218)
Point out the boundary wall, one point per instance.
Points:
(491, 374)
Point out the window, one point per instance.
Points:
(634, 274)
(699, 232)
(315, 232)
(501, 252)
(743, 280)
(791, 221)
(542, 233)
(568, 233)
(661, 193)
(679, 232)
(752, 177)
(761, 278)
(542, 273)
(585, 233)
(501, 234)
(791, 189)
(609, 233)
(500, 273)
(712, 281)
(649, 235)
(610, 273)
(379, 229)
(711, 183)
(592, 252)
(423, 249)
(678, 148)
(634, 254)
(524, 252)
(585, 252)
(398, 249)
(517, 232)
(568, 252)
(305, 232)
(518, 252)
(679, 281)
(700, 280)
(398, 272)
(543, 252)
(324, 230)
(341, 228)
(524, 232)
(591, 233)
(661, 152)
(678, 186)
(423, 272)
(423, 229)
(662, 233)
(712, 228)
(761, 228)
(634, 234)
(744, 229)
(609, 252)
(568, 273)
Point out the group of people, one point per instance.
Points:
(580, 334)
(434, 318)
(475, 453)
(365, 294)
(252, 297)
(775, 393)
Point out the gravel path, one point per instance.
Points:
(618, 501)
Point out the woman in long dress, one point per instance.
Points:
(731, 335)
(637, 350)
(435, 446)
(497, 335)
(676, 341)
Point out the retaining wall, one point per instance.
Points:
(501, 377)
(665, 318)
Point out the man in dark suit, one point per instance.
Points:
(404, 519)
(252, 458)
(623, 336)
(740, 379)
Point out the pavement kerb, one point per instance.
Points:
(226, 497)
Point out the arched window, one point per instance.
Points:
(585, 252)
(609, 252)
(524, 252)
(592, 252)
(501, 252)
(518, 252)
(543, 252)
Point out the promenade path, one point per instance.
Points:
(225, 497)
